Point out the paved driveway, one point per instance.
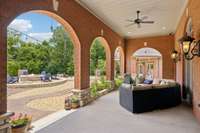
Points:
(39, 102)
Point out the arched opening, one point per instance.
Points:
(147, 62)
(100, 69)
(100, 58)
(119, 62)
(39, 64)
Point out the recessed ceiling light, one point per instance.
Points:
(164, 28)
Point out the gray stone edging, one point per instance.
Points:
(38, 85)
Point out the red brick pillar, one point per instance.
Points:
(122, 63)
(3, 75)
(110, 66)
(82, 82)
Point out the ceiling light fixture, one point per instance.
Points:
(164, 28)
(55, 5)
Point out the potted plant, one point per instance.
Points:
(67, 103)
(74, 102)
(20, 123)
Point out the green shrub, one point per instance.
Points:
(13, 68)
(103, 84)
(93, 89)
(74, 99)
(118, 82)
(99, 86)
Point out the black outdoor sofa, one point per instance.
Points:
(138, 99)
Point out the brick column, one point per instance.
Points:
(110, 67)
(83, 91)
(3, 71)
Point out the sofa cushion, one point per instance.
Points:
(156, 81)
(168, 81)
(159, 86)
(139, 79)
(144, 87)
(163, 82)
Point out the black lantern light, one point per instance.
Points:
(175, 56)
(190, 47)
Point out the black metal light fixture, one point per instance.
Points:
(190, 47)
(175, 56)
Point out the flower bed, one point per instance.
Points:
(98, 88)
(102, 87)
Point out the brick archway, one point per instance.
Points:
(75, 40)
(161, 62)
(106, 46)
(122, 58)
(156, 58)
(84, 24)
(73, 37)
(164, 44)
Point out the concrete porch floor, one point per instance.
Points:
(106, 116)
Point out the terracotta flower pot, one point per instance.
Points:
(67, 104)
(28, 127)
(74, 105)
(67, 107)
(21, 129)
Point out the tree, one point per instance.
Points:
(62, 53)
(97, 57)
(53, 56)
(12, 50)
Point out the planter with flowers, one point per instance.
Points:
(20, 123)
(74, 102)
(67, 103)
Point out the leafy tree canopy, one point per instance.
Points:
(53, 56)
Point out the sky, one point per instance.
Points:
(35, 25)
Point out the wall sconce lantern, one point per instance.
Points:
(175, 56)
(190, 47)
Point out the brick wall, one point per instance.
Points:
(82, 26)
(164, 44)
(193, 12)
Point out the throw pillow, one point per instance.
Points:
(148, 81)
(156, 81)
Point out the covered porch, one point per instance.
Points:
(106, 116)
(106, 21)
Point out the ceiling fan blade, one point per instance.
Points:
(139, 25)
(130, 24)
(147, 22)
(129, 20)
(144, 17)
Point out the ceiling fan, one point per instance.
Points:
(139, 21)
